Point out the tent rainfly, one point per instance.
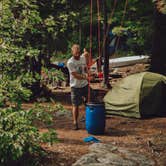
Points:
(139, 95)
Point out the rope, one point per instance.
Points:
(105, 35)
(90, 57)
(99, 18)
(108, 27)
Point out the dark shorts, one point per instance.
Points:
(79, 95)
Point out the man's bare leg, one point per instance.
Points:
(75, 112)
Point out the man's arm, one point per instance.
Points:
(80, 76)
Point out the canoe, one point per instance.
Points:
(123, 61)
(130, 60)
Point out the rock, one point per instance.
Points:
(115, 159)
(90, 158)
(102, 148)
(111, 155)
(140, 159)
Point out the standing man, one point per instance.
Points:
(78, 81)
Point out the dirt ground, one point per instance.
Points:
(146, 136)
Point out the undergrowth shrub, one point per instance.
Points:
(19, 135)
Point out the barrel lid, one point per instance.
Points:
(95, 104)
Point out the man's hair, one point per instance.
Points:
(75, 46)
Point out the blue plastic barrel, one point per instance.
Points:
(95, 118)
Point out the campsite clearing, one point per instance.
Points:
(142, 136)
(145, 137)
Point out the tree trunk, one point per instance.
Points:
(158, 63)
(105, 49)
(35, 67)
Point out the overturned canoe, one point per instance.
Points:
(125, 61)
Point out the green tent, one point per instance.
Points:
(138, 95)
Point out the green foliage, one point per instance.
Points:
(49, 137)
(18, 135)
(59, 107)
(52, 76)
(138, 22)
(34, 31)
(119, 31)
(13, 62)
(31, 30)
(12, 92)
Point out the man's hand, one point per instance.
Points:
(86, 76)
(91, 77)
(80, 76)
